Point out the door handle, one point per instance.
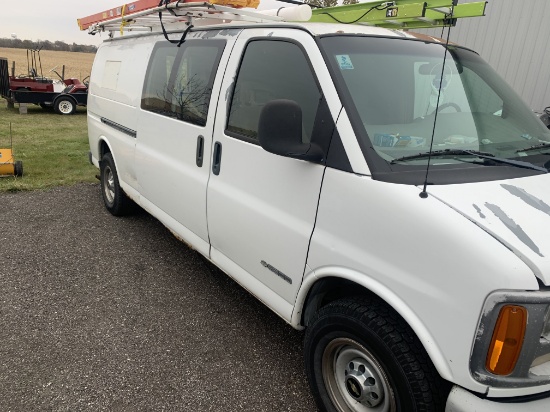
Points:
(200, 150)
(217, 158)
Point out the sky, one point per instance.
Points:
(56, 19)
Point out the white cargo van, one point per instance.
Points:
(385, 192)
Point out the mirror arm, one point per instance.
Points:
(314, 154)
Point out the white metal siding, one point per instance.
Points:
(514, 38)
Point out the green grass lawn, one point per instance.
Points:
(53, 148)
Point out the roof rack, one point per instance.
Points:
(401, 14)
(143, 15)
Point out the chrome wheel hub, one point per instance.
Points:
(354, 379)
(363, 384)
(109, 185)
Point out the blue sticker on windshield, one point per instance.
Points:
(344, 62)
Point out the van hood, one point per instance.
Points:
(516, 212)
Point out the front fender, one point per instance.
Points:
(385, 294)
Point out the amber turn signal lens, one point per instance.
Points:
(507, 340)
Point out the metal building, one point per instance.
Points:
(514, 38)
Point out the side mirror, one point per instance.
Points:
(280, 131)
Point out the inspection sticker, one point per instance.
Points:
(344, 61)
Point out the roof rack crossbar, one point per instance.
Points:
(174, 12)
(409, 14)
(405, 14)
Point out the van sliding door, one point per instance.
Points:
(174, 138)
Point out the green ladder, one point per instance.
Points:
(400, 14)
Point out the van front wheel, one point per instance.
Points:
(116, 201)
(361, 356)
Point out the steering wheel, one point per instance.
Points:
(449, 104)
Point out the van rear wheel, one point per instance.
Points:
(116, 201)
(361, 356)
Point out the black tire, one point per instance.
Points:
(116, 201)
(45, 106)
(65, 105)
(18, 168)
(361, 356)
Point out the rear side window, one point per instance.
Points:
(179, 80)
(272, 69)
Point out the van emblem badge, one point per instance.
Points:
(276, 271)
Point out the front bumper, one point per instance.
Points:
(460, 400)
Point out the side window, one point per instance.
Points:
(157, 79)
(272, 69)
(179, 80)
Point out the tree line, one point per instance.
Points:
(46, 45)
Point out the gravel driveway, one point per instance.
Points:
(106, 314)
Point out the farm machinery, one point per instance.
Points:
(63, 95)
(8, 165)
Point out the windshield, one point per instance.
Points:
(393, 89)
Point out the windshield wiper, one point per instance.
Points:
(481, 155)
(445, 152)
(535, 147)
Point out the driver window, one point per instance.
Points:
(270, 70)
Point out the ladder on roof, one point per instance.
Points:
(143, 15)
(401, 14)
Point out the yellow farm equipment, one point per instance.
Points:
(8, 165)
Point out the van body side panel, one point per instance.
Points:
(114, 95)
(168, 140)
(253, 285)
(415, 248)
(181, 232)
(261, 206)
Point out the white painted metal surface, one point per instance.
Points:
(516, 212)
(119, 101)
(422, 255)
(461, 400)
(261, 207)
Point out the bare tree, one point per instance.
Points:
(187, 99)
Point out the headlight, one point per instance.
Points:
(512, 346)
